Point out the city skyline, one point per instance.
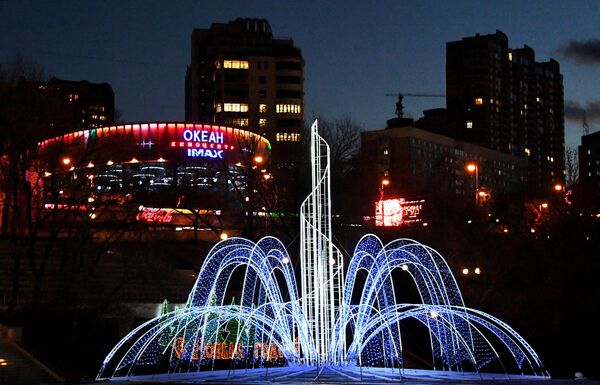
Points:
(143, 52)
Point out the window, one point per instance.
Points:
(262, 108)
(289, 79)
(241, 122)
(288, 65)
(235, 64)
(385, 152)
(469, 124)
(478, 101)
(235, 107)
(262, 93)
(262, 122)
(287, 137)
(262, 79)
(288, 109)
(289, 94)
(218, 107)
(510, 56)
(528, 152)
(101, 117)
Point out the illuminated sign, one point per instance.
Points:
(203, 144)
(155, 215)
(397, 212)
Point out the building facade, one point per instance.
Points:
(177, 175)
(589, 159)
(501, 98)
(92, 104)
(420, 163)
(241, 75)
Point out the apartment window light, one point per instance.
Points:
(469, 124)
(478, 101)
(288, 109)
(235, 107)
(262, 108)
(235, 64)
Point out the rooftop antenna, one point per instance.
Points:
(585, 125)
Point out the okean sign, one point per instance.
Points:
(203, 144)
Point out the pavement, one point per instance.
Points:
(19, 368)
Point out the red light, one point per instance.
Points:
(397, 212)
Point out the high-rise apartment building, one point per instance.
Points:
(501, 98)
(241, 75)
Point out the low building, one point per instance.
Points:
(181, 176)
(421, 163)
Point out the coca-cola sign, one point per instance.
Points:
(155, 215)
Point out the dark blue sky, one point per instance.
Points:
(355, 51)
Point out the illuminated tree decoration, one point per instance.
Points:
(276, 326)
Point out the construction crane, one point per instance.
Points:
(401, 96)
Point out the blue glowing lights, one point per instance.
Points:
(330, 319)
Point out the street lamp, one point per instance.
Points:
(474, 168)
(258, 159)
(558, 187)
(384, 183)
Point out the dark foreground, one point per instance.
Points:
(338, 376)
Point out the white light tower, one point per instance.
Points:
(322, 265)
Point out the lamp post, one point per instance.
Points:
(384, 183)
(472, 167)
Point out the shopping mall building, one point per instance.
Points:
(179, 176)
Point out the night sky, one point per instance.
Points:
(355, 51)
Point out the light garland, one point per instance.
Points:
(273, 325)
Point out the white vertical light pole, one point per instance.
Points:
(321, 262)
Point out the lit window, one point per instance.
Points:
(235, 107)
(288, 109)
(525, 106)
(385, 152)
(218, 107)
(262, 108)
(478, 101)
(262, 122)
(242, 122)
(102, 117)
(235, 64)
(287, 137)
(469, 124)
(510, 56)
(528, 152)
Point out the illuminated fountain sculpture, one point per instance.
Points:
(272, 325)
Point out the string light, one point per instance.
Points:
(270, 326)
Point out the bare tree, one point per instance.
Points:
(571, 165)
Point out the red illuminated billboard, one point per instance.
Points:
(397, 212)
